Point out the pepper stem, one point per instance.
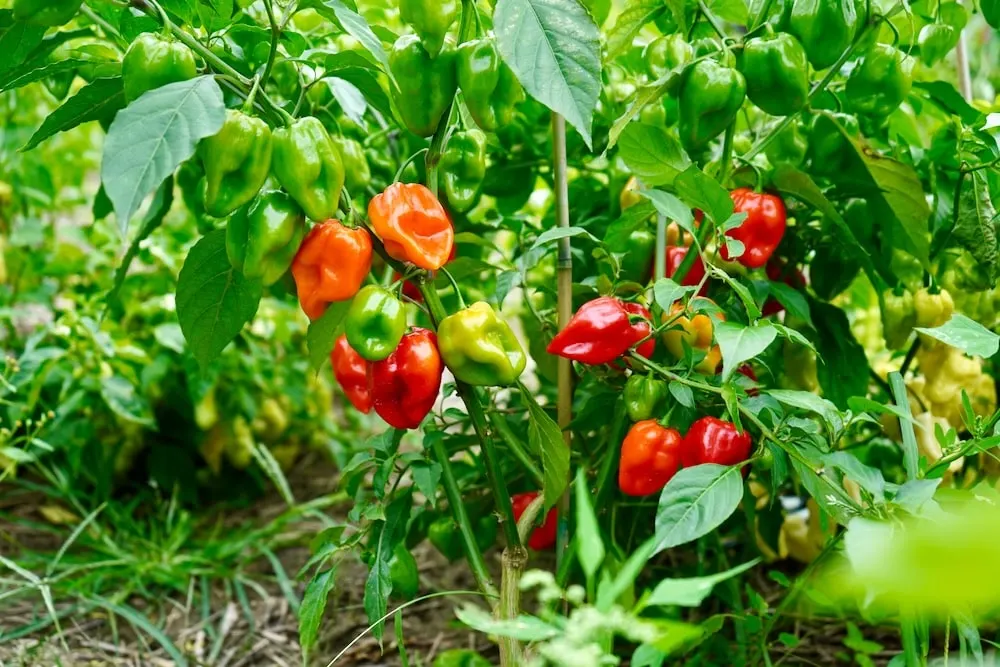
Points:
(454, 285)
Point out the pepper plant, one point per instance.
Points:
(759, 265)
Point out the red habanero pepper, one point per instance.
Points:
(598, 333)
(650, 457)
(761, 231)
(351, 371)
(641, 328)
(413, 225)
(543, 537)
(779, 270)
(331, 265)
(675, 255)
(405, 385)
(711, 440)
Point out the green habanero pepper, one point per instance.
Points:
(308, 165)
(899, 316)
(711, 95)
(426, 85)
(636, 252)
(789, 146)
(444, 535)
(237, 161)
(357, 173)
(458, 657)
(375, 323)
(263, 237)
(825, 28)
(403, 573)
(491, 91)
(666, 53)
(480, 348)
(880, 82)
(47, 13)
(153, 61)
(645, 397)
(776, 73)
(430, 19)
(829, 149)
(464, 164)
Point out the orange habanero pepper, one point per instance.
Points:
(697, 331)
(413, 225)
(331, 265)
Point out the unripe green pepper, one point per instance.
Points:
(825, 28)
(460, 658)
(789, 146)
(666, 53)
(375, 323)
(645, 397)
(710, 97)
(829, 149)
(880, 83)
(426, 85)
(309, 167)
(480, 348)
(445, 536)
(464, 165)
(491, 91)
(430, 19)
(357, 173)
(47, 13)
(152, 61)
(776, 72)
(237, 161)
(936, 40)
(899, 316)
(262, 238)
(636, 252)
(403, 573)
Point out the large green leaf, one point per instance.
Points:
(151, 137)
(652, 153)
(545, 437)
(554, 49)
(629, 22)
(355, 25)
(843, 370)
(100, 100)
(214, 300)
(695, 502)
(739, 343)
(17, 39)
(967, 335)
(322, 333)
(313, 606)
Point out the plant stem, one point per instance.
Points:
(275, 36)
(514, 561)
(516, 447)
(727, 153)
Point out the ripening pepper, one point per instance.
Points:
(880, 82)
(932, 310)
(405, 385)
(697, 332)
(430, 19)
(642, 326)
(675, 256)
(309, 167)
(666, 53)
(48, 13)
(489, 87)
(357, 173)
(776, 73)
(543, 537)
(153, 61)
(899, 316)
(263, 237)
(711, 440)
(413, 225)
(375, 322)
(789, 146)
(711, 95)
(599, 332)
(824, 27)
(829, 149)
(445, 536)
(425, 85)
(237, 161)
(761, 231)
(645, 396)
(331, 265)
(480, 348)
(464, 165)
(351, 372)
(650, 457)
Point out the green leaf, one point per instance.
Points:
(119, 394)
(524, 628)
(590, 549)
(322, 333)
(426, 475)
(99, 100)
(666, 292)
(682, 393)
(695, 502)
(313, 606)
(31, 72)
(506, 281)
(671, 207)
(152, 137)
(739, 343)
(806, 400)
(967, 335)
(976, 222)
(652, 154)
(390, 532)
(158, 209)
(948, 98)
(554, 49)
(599, 9)
(648, 94)
(139, 621)
(868, 478)
(545, 437)
(843, 371)
(214, 300)
(560, 233)
(699, 190)
(691, 591)
(793, 301)
(631, 219)
(734, 11)
(17, 40)
(270, 467)
(628, 24)
(753, 310)
(354, 24)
